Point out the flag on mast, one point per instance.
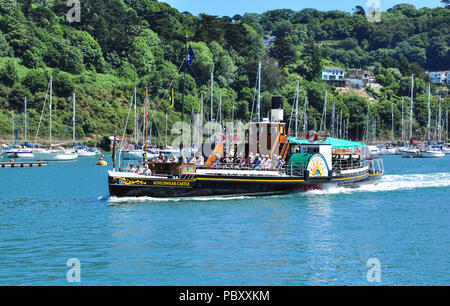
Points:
(190, 56)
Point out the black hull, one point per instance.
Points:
(228, 186)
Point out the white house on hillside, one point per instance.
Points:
(440, 77)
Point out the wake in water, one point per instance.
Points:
(150, 199)
(395, 182)
(387, 183)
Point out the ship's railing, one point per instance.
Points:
(294, 169)
(376, 166)
(234, 166)
(347, 163)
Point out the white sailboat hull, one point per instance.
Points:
(83, 153)
(391, 151)
(432, 154)
(57, 156)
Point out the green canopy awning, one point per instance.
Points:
(334, 142)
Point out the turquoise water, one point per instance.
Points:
(49, 215)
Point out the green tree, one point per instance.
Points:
(8, 74)
(283, 51)
(312, 60)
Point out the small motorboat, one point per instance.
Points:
(389, 151)
(411, 153)
(433, 152)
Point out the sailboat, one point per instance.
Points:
(389, 149)
(58, 153)
(17, 151)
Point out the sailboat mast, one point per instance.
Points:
(403, 123)
(392, 111)
(212, 98)
(440, 122)
(73, 120)
(429, 112)
(184, 90)
(333, 120)
(136, 127)
(25, 106)
(305, 116)
(296, 107)
(324, 114)
(13, 129)
(50, 107)
(145, 124)
(166, 128)
(411, 110)
(258, 107)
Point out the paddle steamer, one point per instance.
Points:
(309, 163)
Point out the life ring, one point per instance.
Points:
(312, 136)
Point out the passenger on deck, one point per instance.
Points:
(281, 163)
(132, 169)
(192, 159)
(200, 160)
(161, 158)
(147, 171)
(256, 163)
(139, 170)
(173, 160)
(267, 164)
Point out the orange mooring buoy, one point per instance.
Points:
(11, 160)
(101, 162)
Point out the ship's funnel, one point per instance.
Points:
(276, 114)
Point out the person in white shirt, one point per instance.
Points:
(132, 169)
(147, 171)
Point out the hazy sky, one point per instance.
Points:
(233, 7)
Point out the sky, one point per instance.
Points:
(233, 7)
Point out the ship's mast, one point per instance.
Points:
(429, 113)
(136, 127)
(212, 98)
(25, 107)
(296, 107)
(392, 111)
(258, 105)
(184, 91)
(145, 125)
(305, 116)
(333, 123)
(440, 122)
(73, 120)
(411, 110)
(324, 114)
(50, 107)
(403, 123)
(166, 127)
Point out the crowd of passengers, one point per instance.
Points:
(252, 162)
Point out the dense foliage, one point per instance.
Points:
(120, 44)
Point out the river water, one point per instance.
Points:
(50, 215)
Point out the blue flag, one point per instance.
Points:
(190, 56)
